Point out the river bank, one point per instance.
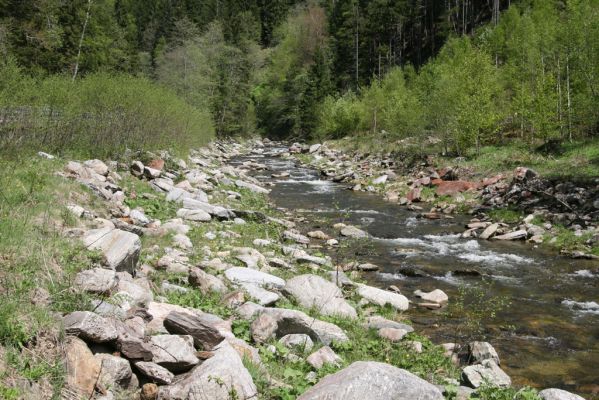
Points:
(188, 282)
(521, 205)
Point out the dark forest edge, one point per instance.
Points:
(464, 79)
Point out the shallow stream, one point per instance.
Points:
(547, 337)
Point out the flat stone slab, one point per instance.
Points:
(155, 372)
(314, 291)
(89, 326)
(120, 249)
(173, 352)
(243, 275)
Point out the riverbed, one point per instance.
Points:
(548, 335)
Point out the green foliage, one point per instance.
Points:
(488, 392)
(100, 115)
(209, 302)
(506, 215)
(473, 309)
(298, 76)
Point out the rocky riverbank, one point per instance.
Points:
(199, 289)
(520, 206)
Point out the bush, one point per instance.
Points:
(100, 115)
(339, 117)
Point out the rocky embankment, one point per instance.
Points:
(244, 307)
(548, 208)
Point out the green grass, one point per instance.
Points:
(35, 256)
(506, 215)
(579, 159)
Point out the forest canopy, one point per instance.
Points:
(468, 73)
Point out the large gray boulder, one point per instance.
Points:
(353, 232)
(114, 371)
(204, 329)
(373, 381)
(486, 372)
(120, 249)
(217, 378)
(313, 291)
(205, 282)
(558, 394)
(96, 280)
(480, 351)
(278, 322)
(89, 326)
(173, 352)
(382, 297)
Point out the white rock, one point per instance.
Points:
(382, 297)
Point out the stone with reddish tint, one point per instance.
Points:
(450, 188)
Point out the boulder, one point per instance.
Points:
(558, 394)
(120, 249)
(450, 188)
(373, 381)
(260, 295)
(480, 351)
(297, 341)
(392, 334)
(324, 355)
(155, 372)
(314, 291)
(250, 186)
(382, 297)
(278, 322)
(414, 195)
(217, 378)
(367, 267)
(242, 275)
(436, 296)
(82, 369)
(318, 235)
(194, 215)
(204, 329)
(173, 352)
(516, 235)
(114, 371)
(96, 280)
(89, 326)
(295, 236)
(353, 232)
(475, 375)
(205, 282)
(378, 322)
(489, 231)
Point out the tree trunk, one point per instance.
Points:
(87, 15)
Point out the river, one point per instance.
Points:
(548, 335)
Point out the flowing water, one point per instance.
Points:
(549, 334)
